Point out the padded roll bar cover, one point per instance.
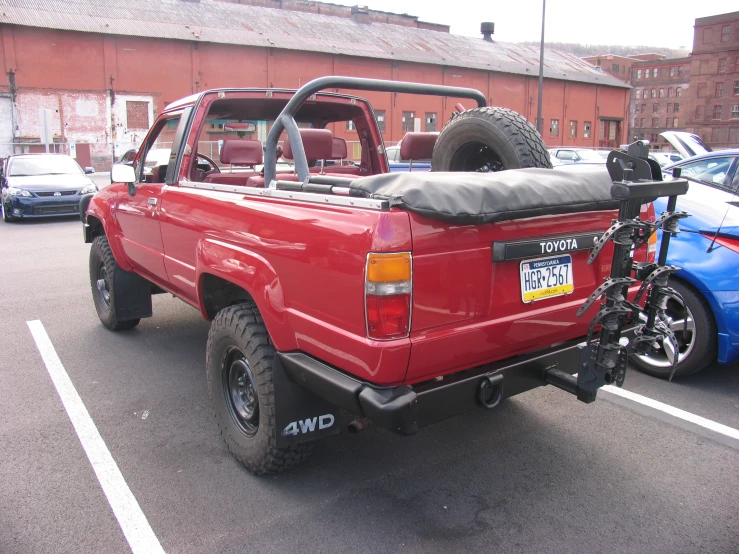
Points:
(418, 146)
(318, 144)
(241, 152)
(339, 149)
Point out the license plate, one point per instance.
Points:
(546, 278)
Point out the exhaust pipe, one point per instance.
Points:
(357, 425)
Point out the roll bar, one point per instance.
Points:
(286, 120)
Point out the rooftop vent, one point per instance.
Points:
(361, 14)
(487, 29)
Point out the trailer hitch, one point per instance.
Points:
(604, 355)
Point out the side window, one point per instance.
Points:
(711, 172)
(155, 160)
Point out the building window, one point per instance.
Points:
(703, 67)
(380, 116)
(725, 32)
(700, 113)
(702, 87)
(636, 122)
(719, 90)
(669, 108)
(735, 111)
(670, 92)
(614, 67)
(668, 121)
(554, 128)
(430, 122)
(638, 73)
(678, 91)
(408, 121)
(586, 129)
(674, 122)
(680, 71)
(677, 107)
(736, 87)
(602, 131)
(722, 65)
(736, 65)
(673, 71)
(647, 72)
(612, 131)
(573, 129)
(661, 93)
(717, 111)
(655, 122)
(654, 93)
(350, 125)
(643, 108)
(638, 93)
(642, 122)
(137, 115)
(655, 108)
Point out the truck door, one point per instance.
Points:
(139, 213)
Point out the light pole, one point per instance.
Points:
(541, 67)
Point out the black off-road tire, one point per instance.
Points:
(489, 139)
(701, 342)
(238, 335)
(103, 266)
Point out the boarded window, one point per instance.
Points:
(554, 128)
(430, 122)
(655, 122)
(702, 87)
(137, 115)
(725, 33)
(380, 115)
(722, 65)
(700, 112)
(717, 111)
(408, 118)
(573, 129)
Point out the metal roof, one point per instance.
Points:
(227, 23)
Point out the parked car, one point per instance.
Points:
(576, 155)
(707, 324)
(665, 158)
(43, 185)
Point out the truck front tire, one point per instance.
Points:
(103, 268)
(239, 359)
(488, 139)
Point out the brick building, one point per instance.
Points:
(658, 99)
(712, 107)
(620, 66)
(104, 69)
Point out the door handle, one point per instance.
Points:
(152, 201)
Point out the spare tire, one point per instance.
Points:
(488, 139)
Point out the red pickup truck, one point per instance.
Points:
(403, 298)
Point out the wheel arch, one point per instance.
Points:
(228, 275)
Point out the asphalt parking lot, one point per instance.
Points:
(543, 473)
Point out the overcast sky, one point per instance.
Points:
(624, 22)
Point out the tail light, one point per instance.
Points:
(388, 286)
(729, 242)
(652, 247)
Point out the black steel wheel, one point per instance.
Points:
(238, 362)
(695, 331)
(103, 269)
(488, 139)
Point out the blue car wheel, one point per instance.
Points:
(695, 330)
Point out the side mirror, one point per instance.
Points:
(89, 170)
(122, 173)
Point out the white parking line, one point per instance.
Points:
(674, 416)
(127, 511)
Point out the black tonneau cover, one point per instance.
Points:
(474, 198)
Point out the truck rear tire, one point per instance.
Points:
(103, 269)
(239, 359)
(488, 139)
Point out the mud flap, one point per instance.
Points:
(133, 296)
(300, 415)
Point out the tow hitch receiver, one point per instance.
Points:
(604, 355)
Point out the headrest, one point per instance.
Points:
(339, 150)
(418, 146)
(318, 144)
(241, 152)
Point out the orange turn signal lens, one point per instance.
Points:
(389, 268)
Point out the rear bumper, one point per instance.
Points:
(404, 409)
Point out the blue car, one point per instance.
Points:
(707, 250)
(42, 185)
